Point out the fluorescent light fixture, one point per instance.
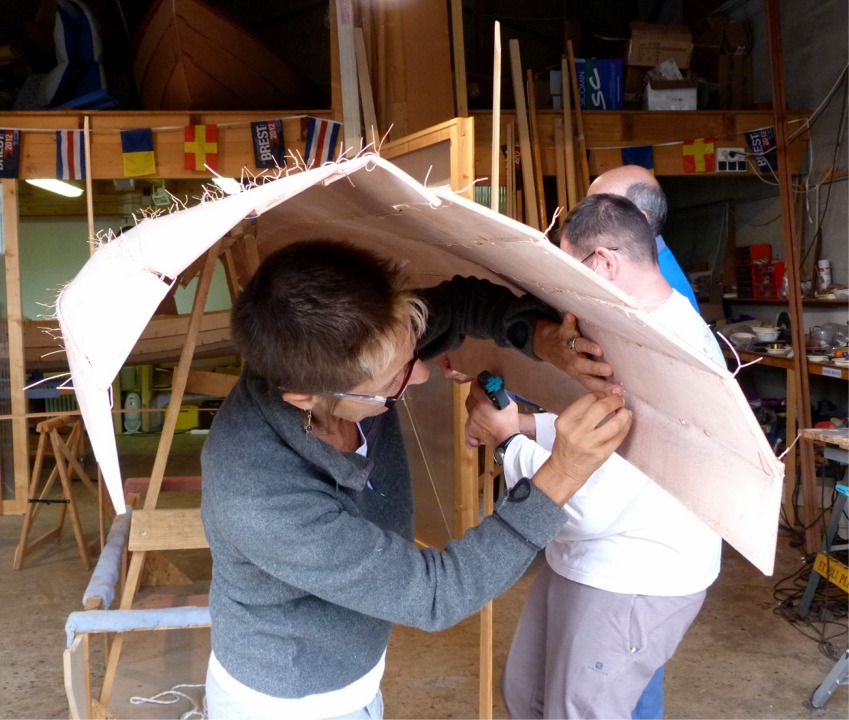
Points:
(228, 185)
(58, 186)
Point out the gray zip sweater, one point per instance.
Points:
(313, 557)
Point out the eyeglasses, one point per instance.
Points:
(387, 401)
(612, 249)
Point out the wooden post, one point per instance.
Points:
(579, 122)
(510, 170)
(813, 520)
(15, 327)
(528, 182)
(568, 135)
(459, 48)
(366, 96)
(495, 157)
(487, 479)
(89, 192)
(559, 155)
(535, 146)
(348, 76)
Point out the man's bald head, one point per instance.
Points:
(638, 185)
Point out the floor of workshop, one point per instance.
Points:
(741, 659)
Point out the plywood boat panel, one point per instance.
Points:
(694, 432)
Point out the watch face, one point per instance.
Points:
(498, 455)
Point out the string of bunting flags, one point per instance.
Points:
(201, 149)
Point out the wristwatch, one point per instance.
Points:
(498, 454)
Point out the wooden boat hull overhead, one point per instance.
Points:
(160, 344)
(188, 56)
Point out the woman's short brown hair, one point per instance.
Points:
(324, 315)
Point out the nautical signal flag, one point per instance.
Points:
(200, 149)
(699, 155)
(267, 136)
(10, 153)
(70, 155)
(137, 152)
(322, 137)
(642, 155)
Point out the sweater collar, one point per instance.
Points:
(347, 469)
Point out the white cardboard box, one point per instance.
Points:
(670, 95)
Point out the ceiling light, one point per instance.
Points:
(58, 186)
(228, 185)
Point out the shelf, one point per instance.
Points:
(775, 301)
(608, 131)
(824, 369)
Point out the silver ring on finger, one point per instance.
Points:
(571, 343)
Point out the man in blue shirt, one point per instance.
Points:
(642, 188)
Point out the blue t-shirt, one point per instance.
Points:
(672, 272)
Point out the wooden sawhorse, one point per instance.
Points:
(65, 454)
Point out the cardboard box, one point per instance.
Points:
(632, 87)
(671, 95)
(736, 39)
(735, 82)
(651, 44)
(599, 83)
(708, 39)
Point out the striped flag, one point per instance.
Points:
(200, 147)
(322, 137)
(137, 152)
(70, 155)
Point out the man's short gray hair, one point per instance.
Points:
(652, 201)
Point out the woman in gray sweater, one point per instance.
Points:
(307, 498)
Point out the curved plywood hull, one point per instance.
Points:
(161, 342)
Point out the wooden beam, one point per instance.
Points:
(234, 137)
(813, 519)
(608, 131)
(528, 190)
(458, 45)
(495, 156)
(15, 329)
(353, 128)
(537, 166)
(568, 135)
(366, 96)
(584, 177)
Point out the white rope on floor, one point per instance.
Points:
(172, 696)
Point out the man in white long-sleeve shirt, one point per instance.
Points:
(627, 575)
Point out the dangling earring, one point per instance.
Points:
(308, 423)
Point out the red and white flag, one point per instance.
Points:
(70, 155)
(322, 137)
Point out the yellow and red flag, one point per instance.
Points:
(200, 149)
(699, 155)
